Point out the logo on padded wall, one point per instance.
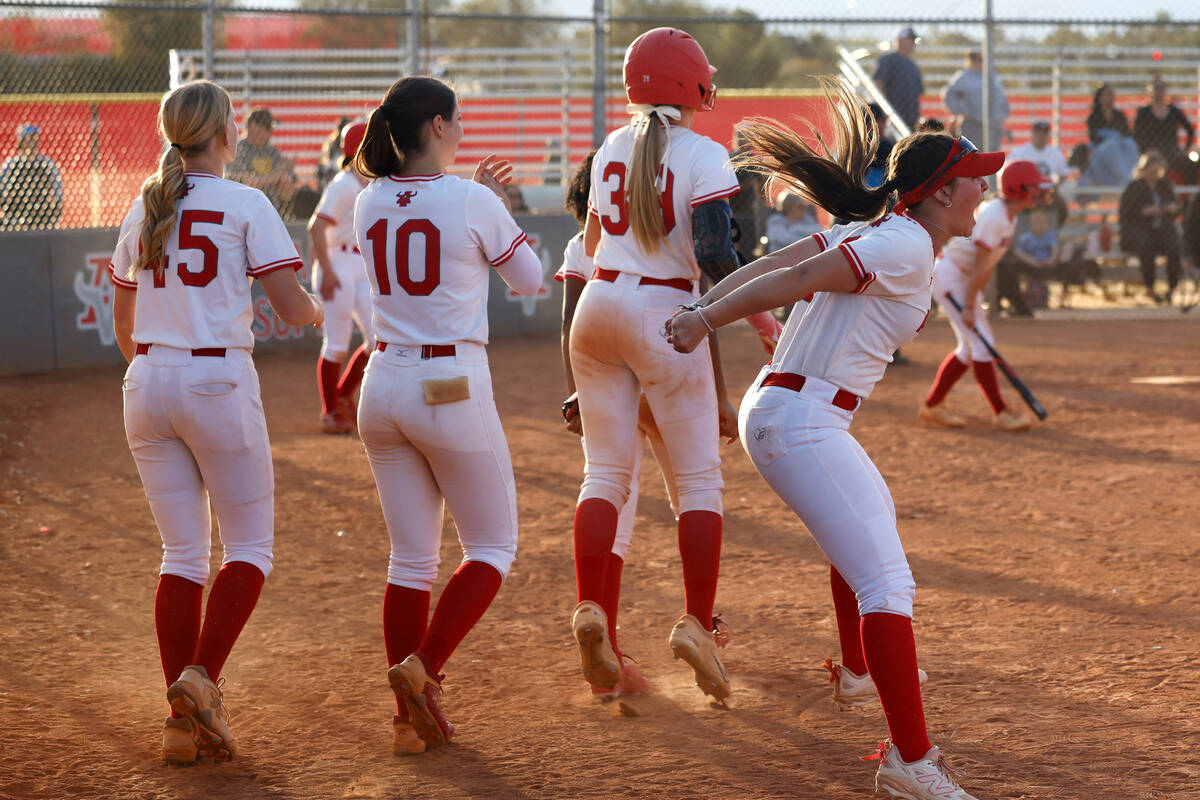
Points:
(94, 289)
(529, 302)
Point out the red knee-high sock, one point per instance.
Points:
(233, 596)
(354, 371)
(595, 532)
(948, 374)
(985, 376)
(467, 595)
(177, 604)
(612, 597)
(700, 551)
(405, 619)
(327, 383)
(845, 605)
(892, 659)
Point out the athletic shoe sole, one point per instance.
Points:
(711, 678)
(598, 661)
(212, 738)
(419, 715)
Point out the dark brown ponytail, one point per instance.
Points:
(394, 128)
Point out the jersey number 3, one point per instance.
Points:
(620, 225)
(377, 236)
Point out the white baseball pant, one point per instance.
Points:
(196, 430)
(618, 352)
(351, 305)
(426, 456)
(949, 279)
(800, 443)
(647, 434)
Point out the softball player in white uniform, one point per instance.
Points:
(188, 249)
(341, 281)
(962, 271)
(658, 213)
(426, 414)
(871, 280)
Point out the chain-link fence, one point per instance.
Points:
(80, 84)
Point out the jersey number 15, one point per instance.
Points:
(377, 236)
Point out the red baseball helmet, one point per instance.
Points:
(666, 66)
(1023, 181)
(352, 136)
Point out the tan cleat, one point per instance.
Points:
(422, 694)
(405, 741)
(695, 645)
(179, 741)
(1009, 420)
(939, 416)
(599, 662)
(196, 697)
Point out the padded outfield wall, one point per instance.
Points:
(56, 312)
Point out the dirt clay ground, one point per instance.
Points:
(1057, 610)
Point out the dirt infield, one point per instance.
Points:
(1057, 610)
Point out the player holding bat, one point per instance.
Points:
(963, 270)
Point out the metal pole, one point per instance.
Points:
(599, 74)
(989, 136)
(414, 37)
(1056, 112)
(210, 21)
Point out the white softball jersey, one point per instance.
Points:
(697, 171)
(429, 242)
(847, 339)
(576, 262)
(225, 234)
(993, 231)
(337, 208)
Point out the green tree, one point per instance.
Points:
(142, 40)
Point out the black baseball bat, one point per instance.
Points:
(1017, 383)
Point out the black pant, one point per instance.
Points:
(1164, 243)
(1010, 270)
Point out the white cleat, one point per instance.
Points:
(855, 691)
(927, 778)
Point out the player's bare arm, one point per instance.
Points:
(124, 304)
(789, 256)
(291, 303)
(825, 272)
(328, 282)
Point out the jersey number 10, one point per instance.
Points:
(377, 236)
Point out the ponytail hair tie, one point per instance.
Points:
(176, 146)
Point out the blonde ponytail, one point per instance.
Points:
(188, 118)
(645, 203)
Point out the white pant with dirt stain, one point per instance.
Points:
(801, 444)
(424, 456)
(196, 430)
(618, 352)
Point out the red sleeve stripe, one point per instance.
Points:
(865, 282)
(855, 261)
(984, 246)
(708, 198)
(295, 264)
(327, 218)
(271, 265)
(124, 284)
(822, 242)
(510, 252)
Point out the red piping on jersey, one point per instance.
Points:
(294, 263)
(865, 278)
(820, 237)
(201, 175)
(510, 252)
(124, 284)
(327, 218)
(415, 178)
(708, 198)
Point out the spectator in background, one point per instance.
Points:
(1034, 254)
(749, 209)
(795, 219)
(1112, 153)
(963, 97)
(899, 77)
(260, 164)
(516, 199)
(1191, 231)
(878, 168)
(330, 162)
(1049, 159)
(31, 191)
(1156, 127)
(930, 124)
(1147, 216)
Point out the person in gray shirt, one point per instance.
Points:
(963, 97)
(260, 164)
(899, 78)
